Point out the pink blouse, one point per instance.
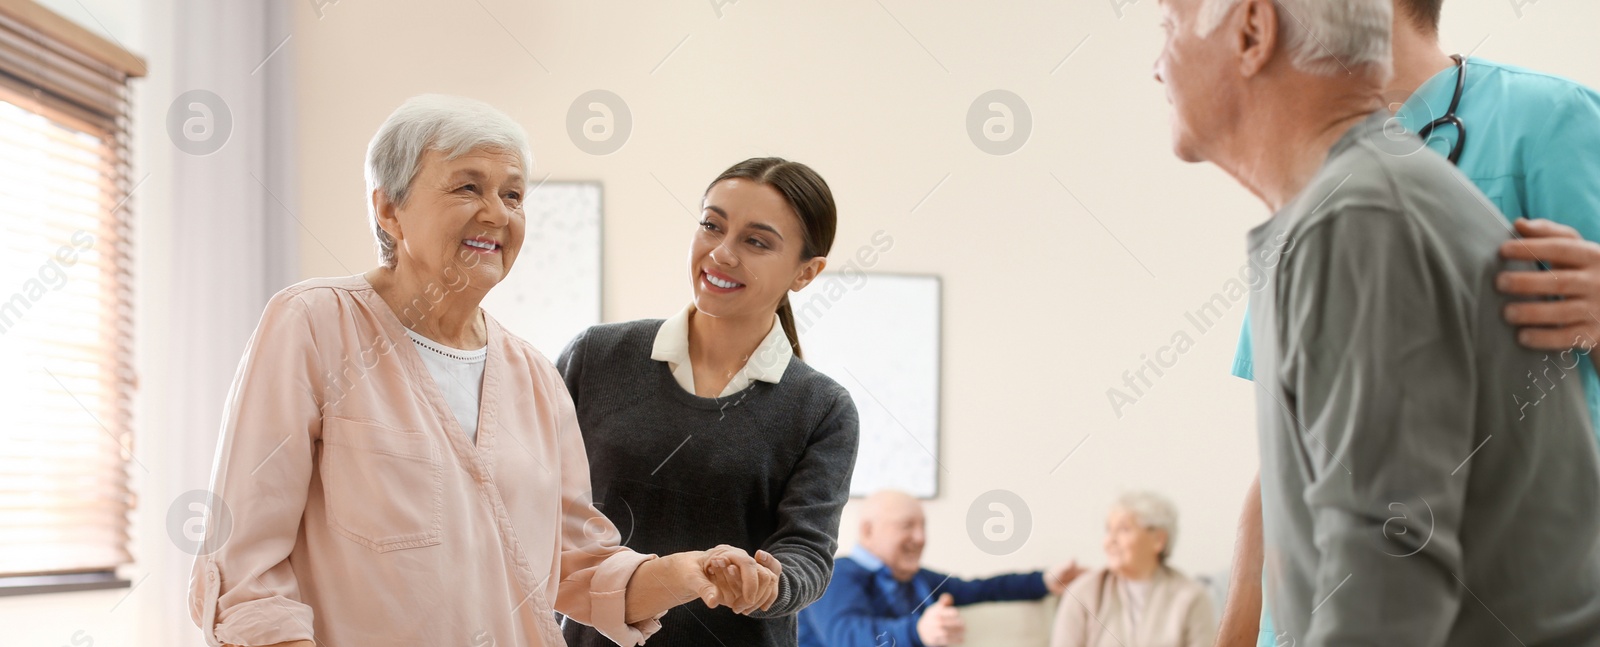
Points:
(359, 513)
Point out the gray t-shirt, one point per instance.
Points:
(1425, 480)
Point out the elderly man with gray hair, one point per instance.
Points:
(1411, 493)
(881, 595)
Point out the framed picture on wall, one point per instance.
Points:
(879, 335)
(553, 292)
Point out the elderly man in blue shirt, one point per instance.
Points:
(881, 596)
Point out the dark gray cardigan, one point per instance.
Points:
(766, 468)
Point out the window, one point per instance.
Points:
(66, 320)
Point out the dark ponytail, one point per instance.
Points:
(786, 319)
(808, 195)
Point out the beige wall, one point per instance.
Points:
(1044, 310)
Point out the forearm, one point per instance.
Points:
(1241, 615)
(1000, 588)
(805, 577)
(659, 585)
(809, 512)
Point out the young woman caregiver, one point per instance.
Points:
(707, 428)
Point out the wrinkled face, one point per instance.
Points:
(463, 221)
(896, 536)
(1130, 546)
(1194, 70)
(746, 255)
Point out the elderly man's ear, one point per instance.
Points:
(1257, 35)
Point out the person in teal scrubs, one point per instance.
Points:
(1532, 147)
(1531, 143)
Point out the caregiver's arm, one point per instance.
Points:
(808, 513)
(243, 591)
(1562, 187)
(1571, 322)
(1241, 613)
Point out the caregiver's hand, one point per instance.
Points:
(292, 643)
(1574, 275)
(747, 584)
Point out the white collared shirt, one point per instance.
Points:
(768, 363)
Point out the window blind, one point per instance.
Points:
(66, 316)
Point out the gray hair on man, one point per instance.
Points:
(453, 125)
(1325, 37)
(1154, 512)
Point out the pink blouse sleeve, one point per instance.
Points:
(595, 567)
(242, 590)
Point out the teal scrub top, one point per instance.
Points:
(1532, 147)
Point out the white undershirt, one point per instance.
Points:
(459, 375)
(1135, 593)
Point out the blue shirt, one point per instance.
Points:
(1532, 147)
(904, 597)
(865, 606)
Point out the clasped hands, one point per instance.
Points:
(730, 577)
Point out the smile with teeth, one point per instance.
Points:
(726, 285)
(481, 244)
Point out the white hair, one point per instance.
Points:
(453, 125)
(1154, 512)
(1324, 37)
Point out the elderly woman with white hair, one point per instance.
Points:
(1137, 599)
(396, 468)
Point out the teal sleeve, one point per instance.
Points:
(1268, 637)
(1563, 168)
(1244, 366)
(1244, 358)
(1563, 176)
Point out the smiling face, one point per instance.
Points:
(893, 530)
(462, 217)
(1132, 550)
(748, 252)
(1193, 69)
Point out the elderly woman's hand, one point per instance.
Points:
(746, 584)
(722, 576)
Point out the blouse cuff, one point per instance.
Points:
(609, 596)
(265, 621)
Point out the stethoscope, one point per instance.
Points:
(1450, 117)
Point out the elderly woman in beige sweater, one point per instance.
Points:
(1136, 600)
